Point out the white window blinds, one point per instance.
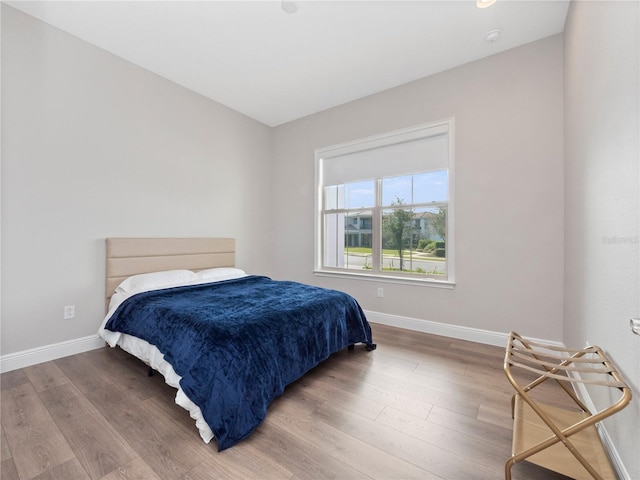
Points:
(422, 150)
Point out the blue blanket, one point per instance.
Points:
(237, 344)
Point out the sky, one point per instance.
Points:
(411, 189)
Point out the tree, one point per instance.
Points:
(397, 227)
(439, 223)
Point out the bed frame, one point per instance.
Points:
(131, 256)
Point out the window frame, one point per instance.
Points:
(377, 141)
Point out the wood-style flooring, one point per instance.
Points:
(420, 406)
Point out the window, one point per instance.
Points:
(384, 206)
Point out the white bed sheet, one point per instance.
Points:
(155, 359)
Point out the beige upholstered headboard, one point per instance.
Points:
(131, 256)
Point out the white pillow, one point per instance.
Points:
(217, 274)
(155, 280)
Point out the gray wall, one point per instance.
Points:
(602, 183)
(92, 147)
(508, 190)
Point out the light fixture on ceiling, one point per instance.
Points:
(484, 3)
(492, 36)
(292, 7)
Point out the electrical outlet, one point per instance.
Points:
(69, 312)
(380, 292)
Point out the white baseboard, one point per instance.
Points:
(498, 339)
(614, 456)
(471, 334)
(583, 394)
(26, 358)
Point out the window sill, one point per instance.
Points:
(423, 282)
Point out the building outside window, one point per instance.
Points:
(385, 206)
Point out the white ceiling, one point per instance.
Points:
(276, 67)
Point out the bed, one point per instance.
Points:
(229, 342)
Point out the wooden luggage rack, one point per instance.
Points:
(560, 438)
